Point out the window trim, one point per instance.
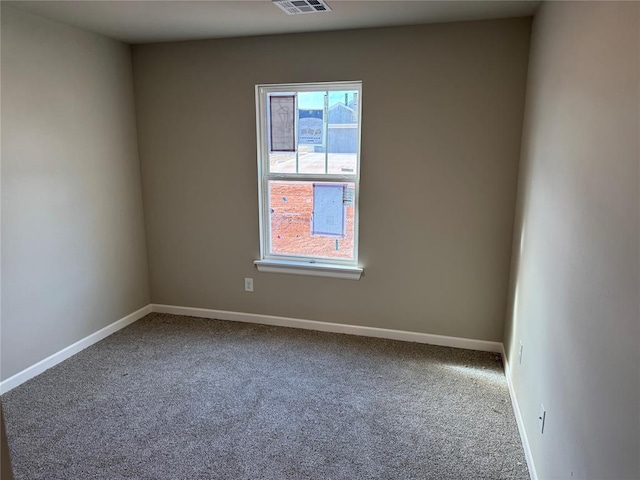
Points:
(302, 265)
(311, 269)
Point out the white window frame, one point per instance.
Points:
(302, 265)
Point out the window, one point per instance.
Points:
(309, 175)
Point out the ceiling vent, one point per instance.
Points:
(297, 7)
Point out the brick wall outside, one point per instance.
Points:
(291, 209)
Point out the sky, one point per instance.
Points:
(315, 100)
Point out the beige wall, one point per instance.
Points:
(574, 294)
(442, 117)
(73, 243)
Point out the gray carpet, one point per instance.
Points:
(173, 397)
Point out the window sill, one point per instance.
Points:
(311, 269)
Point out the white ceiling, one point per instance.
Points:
(160, 21)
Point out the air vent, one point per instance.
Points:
(296, 7)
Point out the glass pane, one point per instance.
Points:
(311, 132)
(342, 135)
(281, 121)
(311, 159)
(281, 132)
(295, 230)
(326, 126)
(282, 162)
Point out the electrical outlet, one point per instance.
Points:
(541, 418)
(248, 284)
(520, 353)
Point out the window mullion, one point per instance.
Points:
(266, 193)
(305, 177)
(296, 119)
(326, 132)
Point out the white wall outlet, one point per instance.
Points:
(541, 418)
(248, 284)
(520, 353)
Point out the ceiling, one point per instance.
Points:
(161, 21)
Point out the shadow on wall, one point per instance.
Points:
(512, 313)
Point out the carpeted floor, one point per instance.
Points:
(173, 397)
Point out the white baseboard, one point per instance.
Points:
(519, 420)
(52, 360)
(467, 343)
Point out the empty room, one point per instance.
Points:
(320, 239)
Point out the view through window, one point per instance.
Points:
(309, 140)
